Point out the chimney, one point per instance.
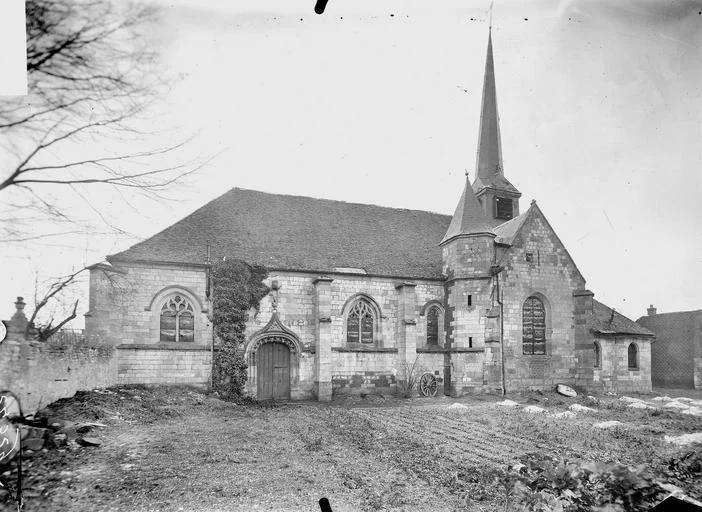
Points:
(651, 310)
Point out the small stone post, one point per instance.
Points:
(17, 325)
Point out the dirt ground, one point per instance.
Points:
(169, 449)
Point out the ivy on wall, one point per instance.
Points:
(236, 288)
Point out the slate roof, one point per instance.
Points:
(468, 217)
(301, 233)
(604, 323)
(488, 165)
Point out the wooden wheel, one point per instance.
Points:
(427, 385)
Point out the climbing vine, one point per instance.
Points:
(236, 288)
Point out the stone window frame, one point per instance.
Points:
(441, 341)
(179, 306)
(548, 334)
(636, 356)
(377, 317)
(598, 355)
(157, 303)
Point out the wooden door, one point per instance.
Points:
(273, 373)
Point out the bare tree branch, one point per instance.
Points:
(46, 332)
(92, 74)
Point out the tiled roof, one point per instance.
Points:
(605, 323)
(673, 327)
(302, 233)
(507, 231)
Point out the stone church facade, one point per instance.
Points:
(485, 300)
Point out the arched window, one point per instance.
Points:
(533, 326)
(177, 320)
(598, 355)
(433, 325)
(359, 323)
(633, 356)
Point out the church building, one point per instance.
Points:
(487, 300)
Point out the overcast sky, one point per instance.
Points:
(378, 102)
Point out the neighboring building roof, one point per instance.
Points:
(301, 233)
(469, 218)
(674, 327)
(607, 323)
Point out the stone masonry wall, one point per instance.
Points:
(353, 370)
(552, 277)
(125, 303)
(40, 373)
(164, 366)
(614, 375)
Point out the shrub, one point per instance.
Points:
(236, 288)
(541, 483)
(407, 384)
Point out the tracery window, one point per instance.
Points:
(360, 323)
(598, 355)
(633, 354)
(177, 320)
(433, 326)
(533, 326)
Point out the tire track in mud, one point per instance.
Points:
(465, 448)
(520, 442)
(472, 439)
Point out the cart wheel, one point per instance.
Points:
(427, 385)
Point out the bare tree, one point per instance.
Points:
(49, 327)
(92, 74)
(53, 308)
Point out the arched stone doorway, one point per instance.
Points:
(273, 357)
(273, 370)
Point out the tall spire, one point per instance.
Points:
(497, 196)
(488, 163)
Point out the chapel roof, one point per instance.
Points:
(288, 232)
(608, 322)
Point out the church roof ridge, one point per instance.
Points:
(301, 233)
(325, 199)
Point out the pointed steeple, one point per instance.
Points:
(489, 158)
(469, 218)
(490, 185)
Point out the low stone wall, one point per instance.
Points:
(40, 373)
(156, 364)
(364, 372)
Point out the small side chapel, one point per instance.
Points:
(487, 300)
